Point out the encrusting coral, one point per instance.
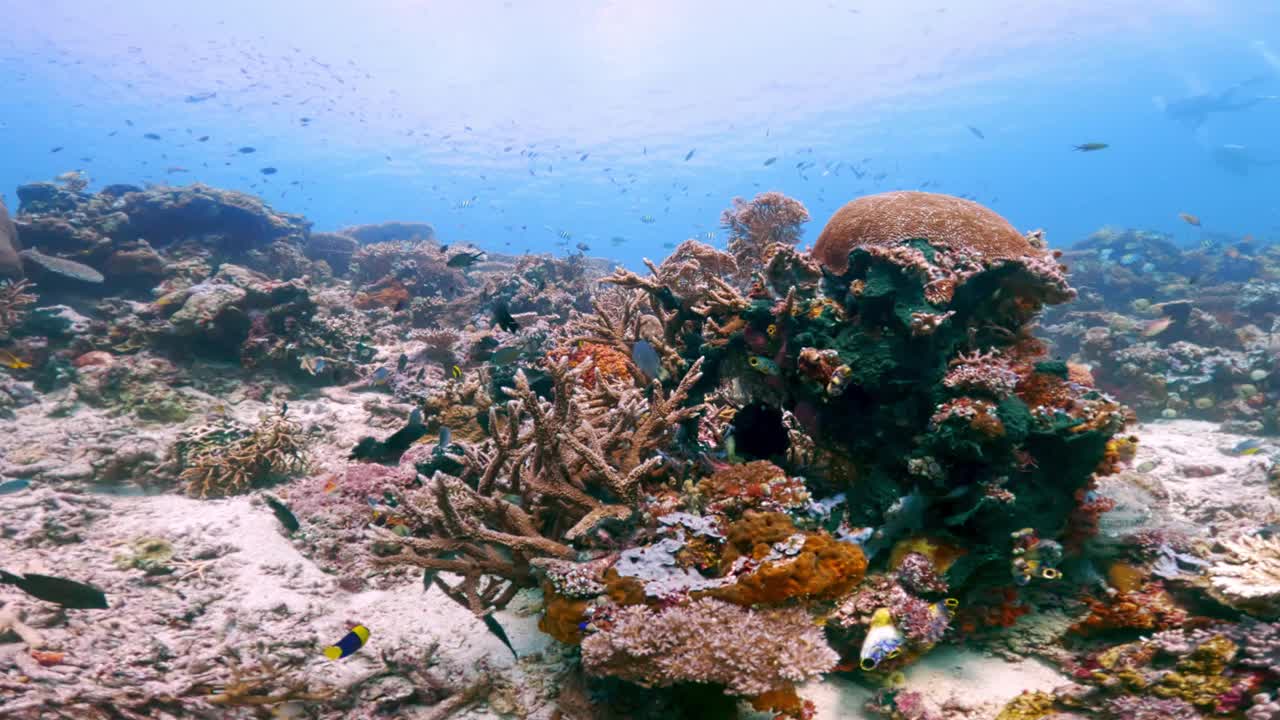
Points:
(749, 652)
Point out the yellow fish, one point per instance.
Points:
(13, 362)
(457, 372)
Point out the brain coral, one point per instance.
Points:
(888, 218)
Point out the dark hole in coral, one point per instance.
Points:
(759, 433)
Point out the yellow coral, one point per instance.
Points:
(1027, 706)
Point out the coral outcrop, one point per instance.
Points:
(10, 264)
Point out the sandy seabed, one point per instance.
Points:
(241, 584)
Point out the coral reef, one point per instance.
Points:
(224, 459)
(10, 264)
(755, 228)
(1249, 577)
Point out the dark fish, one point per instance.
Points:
(283, 513)
(1091, 147)
(1189, 219)
(13, 486)
(502, 316)
(584, 157)
(268, 171)
(57, 149)
(689, 155)
(151, 136)
(246, 150)
(770, 161)
(388, 451)
(446, 438)
(67, 593)
(201, 97)
(496, 628)
(976, 132)
(646, 358)
(402, 363)
(464, 259)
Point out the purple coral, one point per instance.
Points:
(750, 652)
(1135, 707)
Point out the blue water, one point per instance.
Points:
(413, 104)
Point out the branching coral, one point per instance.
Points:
(225, 459)
(756, 227)
(14, 301)
(572, 462)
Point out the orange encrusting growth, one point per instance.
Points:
(610, 363)
(562, 616)
(823, 569)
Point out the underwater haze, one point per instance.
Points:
(578, 116)
(640, 360)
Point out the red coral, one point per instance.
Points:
(1146, 609)
(612, 364)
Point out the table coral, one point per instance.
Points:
(1248, 578)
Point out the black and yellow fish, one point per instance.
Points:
(349, 644)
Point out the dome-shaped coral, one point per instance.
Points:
(945, 220)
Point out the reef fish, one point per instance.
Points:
(496, 628)
(349, 644)
(1157, 326)
(1189, 219)
(502, 316)
(464, 259)
(1252, 446)
(976, 132)
(389, 451)
(312, 364)
(13, 486)
(63, 267)
(883, 642)
(67, 593)
(646, 358)
(762, 364)
(1092, 147)
(13, 362)
(689, 155)
(282, 513)
(648, 219)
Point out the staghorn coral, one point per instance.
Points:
(14, 302)
(749, 652)
(571, 462)
(756, 227)
(227, 459)
(1249, 577)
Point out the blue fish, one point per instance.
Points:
(646, 358)
(14, 486)
(349, 644)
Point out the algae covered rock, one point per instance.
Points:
(10, 263)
